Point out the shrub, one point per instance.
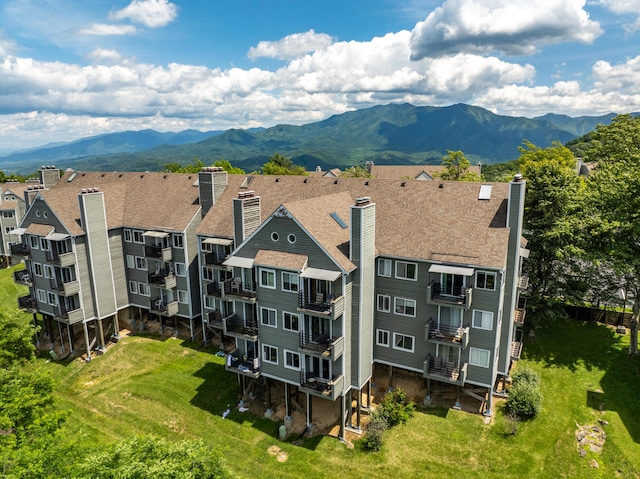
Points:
(396, 407)
(375, 430)
(526, 375)
(524, 399)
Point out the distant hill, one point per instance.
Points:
(389, 134)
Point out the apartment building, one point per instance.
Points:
(306, 281)
(12, 209)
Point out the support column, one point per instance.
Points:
(343, 419)
(86, 340)
(191, 329)
(287, 400)
(457, 405)
(489, 411)
(60, 336)
(100, 334)
(116, 326)
(358, 404)
(269, 412)
(390, 378)
(309, 411)
(427, 398)
(71, 348)
(35, 325)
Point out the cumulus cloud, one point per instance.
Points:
(150, 13)
(102, 56)
(291, 46)
(625, 7)
(514, 27)
(107, 29)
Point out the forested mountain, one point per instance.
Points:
(390, 134)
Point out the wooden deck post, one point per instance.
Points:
(489, 410)
(60, 336)
(101, 333)
(358, 404)
(390, 378)
(287, 400)
(71, 346)
(86, 340)
(368, 394)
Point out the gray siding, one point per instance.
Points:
(84, 277)
(190, 252)
(118, 268)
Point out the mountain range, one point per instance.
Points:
(389, 134)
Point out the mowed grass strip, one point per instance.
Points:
(173, 389)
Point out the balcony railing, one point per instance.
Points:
(158, 252)
(523, 281)
(447, 334)
(159, 306)
(68, 316)
(164, 279)
(460, 296)
(215, 320)
(321, 345)
(22, 277)
(242, 365)
(28, 302)
(318, 386)
(19, 249)
(238, 327)
(215, 259)
(325, 305)
(516, 350)
(518, 316)
(213, 288)
(68, 288)
(239, 289)
(440, 369)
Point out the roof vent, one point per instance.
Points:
(306, 180)
(366, 183)
(364, 200)
(404, 183)
(277, 180)
(335, 182)
(441, 185)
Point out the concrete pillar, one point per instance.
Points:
(100, 334)
(343, 419)
(86, 340)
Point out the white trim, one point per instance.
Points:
(388, 297)
(267, 270)
(323, 274)
(284, 322)
(378, 343)
(275, 317)
(482, 313)
(407, 263)
(296, 283)
(294, 353)
(495, 277)
(488, 352)
(262, 356)
(218, 241)
(395, 306)
(386, 260)
(413, 342)
(239, 262)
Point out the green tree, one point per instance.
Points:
(16, 339)
(229, 168)
(279, 165)
(143, 457)
(195, 167)
(552, 211)
(457, 168)
(356, 171)
(612, 224)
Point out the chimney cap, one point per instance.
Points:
(517, 177)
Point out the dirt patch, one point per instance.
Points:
(280, 455)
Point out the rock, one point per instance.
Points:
(580, 435)
(582, 452)
(621, 330)
(593, 464)
(595, 448)
(603, 422)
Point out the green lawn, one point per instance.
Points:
(171, 388)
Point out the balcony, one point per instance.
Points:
(28, 302)
(213, 288)
(324, 305)
(159, 306)
(518, 316)
(321, 387)
(458, 296)
(516, 350)
(215, 259)
(215, 320)
(440, 369)
(240, 328)
(64, 260)
(22, 277)
(19, 249)
(69, 317)
(242, 365)
(523, 281)
(68, 288)
(322, 346)
(447, 334)
(158, 252)
(163, 279)
(237, 289)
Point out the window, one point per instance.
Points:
(37, 269)
(48, 271)
(268, 317)
(479, 357)
(33, 241)
(9, 229)
(143, 289)
(209, 302)
(207, 274)
(384, 267)
(267, 278)
(42, 296)
(7, 214)
(141, 263)
(291, 238)
(403, 342)
(384, 303)
(52, 299)
(269, 354)
(127, 236)
(405, 270)
(44, 244)
(382, 337)
(291, 321)
(181, 269)
(405, 307)
(137, 236)
(178, 241)
(289, 282)
(485, 280)
(183, 297)
(133, 287)
(291, 360)
(131, 261)
(482, 319)
(275, 236)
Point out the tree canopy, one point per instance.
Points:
(280, 165)
(16, 344)
(196, 166)
(457, 168)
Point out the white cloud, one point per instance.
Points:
(150, 13)
(102, 56)
(514, 27)
(291, 46)
(108, 29)
(625, 7)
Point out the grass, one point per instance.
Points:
(170, 388)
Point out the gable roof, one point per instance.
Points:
(414, 219)
(166, 201)
(411, 171)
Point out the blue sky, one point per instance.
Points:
(72, 69)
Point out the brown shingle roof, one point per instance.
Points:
(417, 220)
(39, 229)
(410, 171)
(138, 200)
(282, 260)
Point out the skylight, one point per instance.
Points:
(339, 220)
(485, 192)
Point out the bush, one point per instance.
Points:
(526, 375)
(524, 399)
(375, 430)
(396, 408)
